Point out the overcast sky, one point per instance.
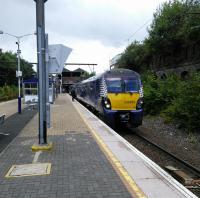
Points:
(96, 30)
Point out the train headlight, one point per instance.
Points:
(108, 106)
(139, 103)
(107, 103)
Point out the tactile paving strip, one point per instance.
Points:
(29, 170)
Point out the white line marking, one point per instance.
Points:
(37, 154)
(5, 134)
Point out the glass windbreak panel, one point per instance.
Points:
(33, 85)
(27, 85)
(34, 92)
(131, 85)
(114, 85)
(27, 92)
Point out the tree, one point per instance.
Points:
(135, 57)
(88, 75)
(8, 67)
(173, 38)
(171, 34)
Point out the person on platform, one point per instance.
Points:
(73, 93)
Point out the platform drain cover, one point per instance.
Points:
(29, 170)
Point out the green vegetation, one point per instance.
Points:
(8, 80)
(158, 94)
(177, 100)
(185, 109)
(8, 93)
(173, 38)
(8, 67)
(88, 75)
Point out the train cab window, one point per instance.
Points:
(131, 85)
(114, 85)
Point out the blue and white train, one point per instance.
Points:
(116, 94)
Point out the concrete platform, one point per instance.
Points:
(10, 107)
(78, 167)
(134, 166)
(88, 159)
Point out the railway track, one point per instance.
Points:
(181, 170)
(169, 153)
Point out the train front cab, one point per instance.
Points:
(123, 103)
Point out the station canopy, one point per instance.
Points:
(58, 55)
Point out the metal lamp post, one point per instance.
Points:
(18, 73)
(41, 69)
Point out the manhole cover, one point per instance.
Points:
(29, 170)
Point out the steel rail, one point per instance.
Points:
(156, 145)
(169, 153)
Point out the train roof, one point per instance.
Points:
(121, 72)
(113, 72)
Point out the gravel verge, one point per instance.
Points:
(180, 142)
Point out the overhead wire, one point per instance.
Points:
(128, 39)
(141, 27)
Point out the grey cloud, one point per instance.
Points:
(17, 17)
(71, 19)
(110, 26)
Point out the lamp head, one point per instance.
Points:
(43, 0)
(1, 32)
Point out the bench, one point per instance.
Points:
(2, 118)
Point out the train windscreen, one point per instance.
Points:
(116, 85)
(131, 85)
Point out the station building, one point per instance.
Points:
(69, 78)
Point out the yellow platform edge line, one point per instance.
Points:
(48, 171)
(132, 186)
(37, 147)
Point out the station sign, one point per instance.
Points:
(18, 74)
